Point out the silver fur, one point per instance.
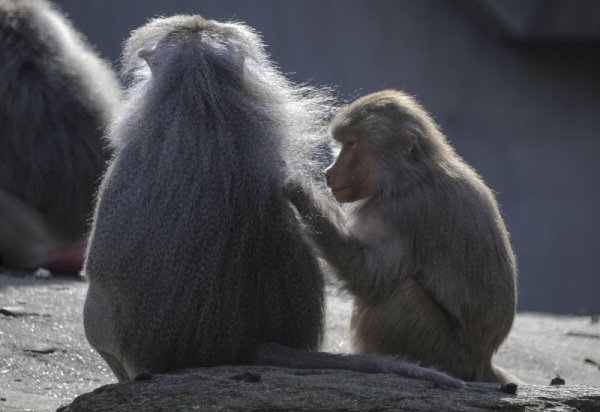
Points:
(194, 257)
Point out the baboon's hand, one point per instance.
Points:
(300, 197)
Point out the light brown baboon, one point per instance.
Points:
(195, 256)
(422, 247)
(56, 95)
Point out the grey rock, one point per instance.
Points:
(212, 389)
(38, 347)
(42, 274)
(14, 311)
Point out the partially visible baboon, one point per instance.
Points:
(195, 257)
(422, 248)
(56, 95)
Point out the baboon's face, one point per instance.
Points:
(351, 177)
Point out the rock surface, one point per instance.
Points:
(213, 389)
(45, 361)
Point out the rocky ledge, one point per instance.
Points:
(266, 388)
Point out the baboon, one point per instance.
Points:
(421, 247)
(195, 256)
(56, 95)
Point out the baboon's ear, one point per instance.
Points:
(408, 145)
(148, 56)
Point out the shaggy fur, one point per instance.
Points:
(191, 236)
(56, 96)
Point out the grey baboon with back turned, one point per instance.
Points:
(56, 95)
(194, 257)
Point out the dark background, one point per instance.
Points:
(515, 85)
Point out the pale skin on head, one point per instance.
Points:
(421, 244)
(195, 256)
(351, 176)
